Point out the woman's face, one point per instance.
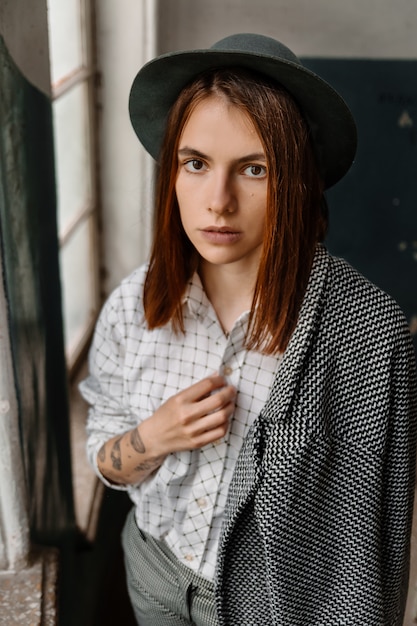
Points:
(221, 184)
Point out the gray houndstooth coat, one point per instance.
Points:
(318, 521)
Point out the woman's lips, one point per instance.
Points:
(221, 235)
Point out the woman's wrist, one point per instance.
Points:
(125, 459)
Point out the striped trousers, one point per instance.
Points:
(163, 591)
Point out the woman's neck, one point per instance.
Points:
(229, 290)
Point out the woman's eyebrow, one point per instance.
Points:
(193, 152)
(255, 156)
(188, 152)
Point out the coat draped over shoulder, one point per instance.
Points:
(318, 521)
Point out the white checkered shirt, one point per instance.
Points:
(133, 370)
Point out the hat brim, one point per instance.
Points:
(159, 82)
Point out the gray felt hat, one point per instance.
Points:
(160, 81)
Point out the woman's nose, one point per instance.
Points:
(222, 197)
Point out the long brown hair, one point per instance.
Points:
(296, 218)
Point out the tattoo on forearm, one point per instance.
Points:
(150, 464)
(136, 441)
(116, 455)
(102, 453)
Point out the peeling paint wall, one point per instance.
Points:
(14, 526)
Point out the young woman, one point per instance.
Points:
(254, 395)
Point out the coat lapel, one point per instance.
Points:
(291, 366)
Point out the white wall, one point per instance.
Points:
(126, 39)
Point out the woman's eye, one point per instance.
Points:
(255, 171)
(194, 165)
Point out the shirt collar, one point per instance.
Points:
(199, 306)
(195, 298)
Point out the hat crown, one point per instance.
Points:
(250, 43)
(159, 82)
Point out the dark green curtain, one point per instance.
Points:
(28, 232)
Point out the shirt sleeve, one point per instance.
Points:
(108, 414)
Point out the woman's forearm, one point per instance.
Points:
(125, 460)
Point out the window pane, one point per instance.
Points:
(65, 37)
(77, 277)
(72, 153)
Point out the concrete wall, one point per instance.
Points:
(335, 28)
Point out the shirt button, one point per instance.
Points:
(227, 370)
(202, 502)
(188, 557)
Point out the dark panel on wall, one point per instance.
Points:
(29, 242)
(373, 210)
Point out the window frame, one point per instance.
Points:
(86, 74)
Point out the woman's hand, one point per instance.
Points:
(191, 419)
